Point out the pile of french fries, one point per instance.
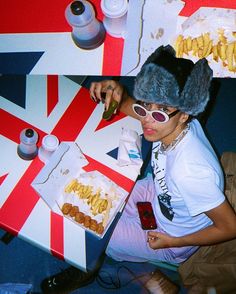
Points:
(203, 46)
(94, 200)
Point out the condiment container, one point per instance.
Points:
(27, 149)
(50, 143)
(87, 31)
(115, 12)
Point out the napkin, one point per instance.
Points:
(129, 152)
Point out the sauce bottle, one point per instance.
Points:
(27, 149)
(87, 31)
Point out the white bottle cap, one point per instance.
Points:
(114, 8)
(50, 142)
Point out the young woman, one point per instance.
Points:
(186, 189)
(186, 186)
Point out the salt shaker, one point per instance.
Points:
(49, 145)
(115, 12)
(27, 149)
(87, 31)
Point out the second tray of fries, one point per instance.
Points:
(210, 33)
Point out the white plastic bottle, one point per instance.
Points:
(115, 12)
(27, 149)
(87, 31)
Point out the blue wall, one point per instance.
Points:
(221, 121)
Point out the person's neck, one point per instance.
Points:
(170, 138)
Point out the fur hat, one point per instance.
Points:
(177, 82)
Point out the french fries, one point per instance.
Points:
(229, 55)
(94, 200)
(203, 46)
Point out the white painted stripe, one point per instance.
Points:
(9, 161)
(61, 55)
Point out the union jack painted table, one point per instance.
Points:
(54, 105)
(36, 39)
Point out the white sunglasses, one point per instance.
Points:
(158, 115)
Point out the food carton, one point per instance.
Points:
(209, 33)
(89, 199)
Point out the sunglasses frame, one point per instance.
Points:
(150, 112)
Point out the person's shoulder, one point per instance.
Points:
(196, 141)
(195, 149)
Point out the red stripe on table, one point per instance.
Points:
(13, 133)
(33, 16)
(21, 201)
(98, 9)
(2, 178)
(37, 17)
(75, 117)
(104, 123)
(192, 6)
(52, 93)
(67, 129)
(57, 235)
(116, 177)
(112, 56)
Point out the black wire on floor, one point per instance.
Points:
(111, 283)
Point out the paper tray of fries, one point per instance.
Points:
(89, 199)
(210, 33)
(92, 201)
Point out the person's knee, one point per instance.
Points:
(113, 253)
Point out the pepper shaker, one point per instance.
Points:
(87, 31)
(27, 149)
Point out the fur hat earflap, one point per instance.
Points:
(177, 82)
(195, 94)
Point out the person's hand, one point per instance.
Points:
(158, 240)
(112, 89)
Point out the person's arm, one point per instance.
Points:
(222, 229)
(114, 91)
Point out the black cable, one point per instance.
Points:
(111, 285)
(116, 284)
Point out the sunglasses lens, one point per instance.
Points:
(140, 111)
(158, 116)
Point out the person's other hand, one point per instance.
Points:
(106, 91)
(157, 240)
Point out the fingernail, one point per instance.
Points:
(103, 97)
(93, 98)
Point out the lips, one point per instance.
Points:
(148, 131)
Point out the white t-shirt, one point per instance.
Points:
(188, 181)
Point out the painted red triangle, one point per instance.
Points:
(2, 178)
(104, 123)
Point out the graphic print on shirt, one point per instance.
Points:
(158, 167)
